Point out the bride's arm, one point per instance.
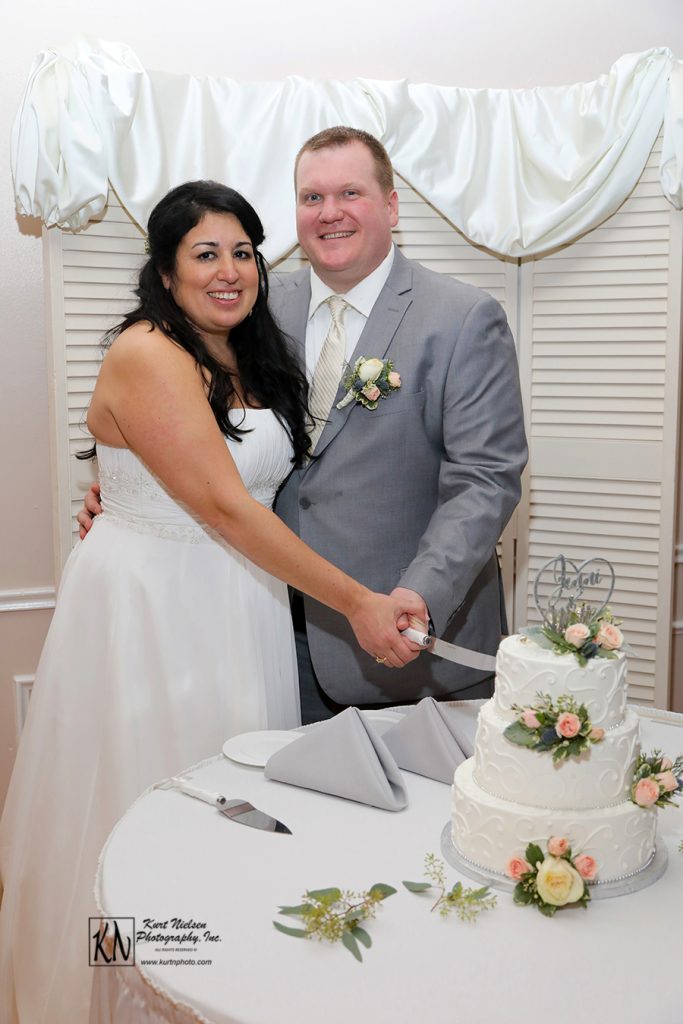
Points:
(150, 392)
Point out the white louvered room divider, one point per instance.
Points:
(600, 363)
(90, 275)
(597, 326)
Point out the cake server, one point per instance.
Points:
(451, 652)
(237, 810)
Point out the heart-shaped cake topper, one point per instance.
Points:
(561, 585)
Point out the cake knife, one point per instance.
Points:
(451, 652)
(237, 810)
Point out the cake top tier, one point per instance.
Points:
(524, 670)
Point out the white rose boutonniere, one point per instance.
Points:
(368, 381)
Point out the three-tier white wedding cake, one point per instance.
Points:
(509, 795)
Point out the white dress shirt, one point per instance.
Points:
(361, 299)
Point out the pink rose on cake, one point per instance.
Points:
(577, 634)
(558, 883)
(668, 781)
(568, 725)
(657, 780)
(596, 734)
(586, 866)
(516, 867)
(529, 719)
(557, 846)
(646, 792)
(610, 637)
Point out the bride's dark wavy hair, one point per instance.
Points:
(268, 372)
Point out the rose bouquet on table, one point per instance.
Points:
(579, 631)
(551, 880)
(564, 727)
(657, 780)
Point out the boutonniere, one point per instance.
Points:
(369, 380)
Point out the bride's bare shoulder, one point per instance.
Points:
(143, 344)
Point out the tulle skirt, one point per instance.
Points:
(159, 650)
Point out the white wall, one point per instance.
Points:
(486, 43)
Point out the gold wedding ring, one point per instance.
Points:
(380, 661)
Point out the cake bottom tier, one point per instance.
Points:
(488, 831)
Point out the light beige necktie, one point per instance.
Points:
(328, 370)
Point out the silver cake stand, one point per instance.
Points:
(651, 873)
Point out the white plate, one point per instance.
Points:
(382, 720)
(254, 748)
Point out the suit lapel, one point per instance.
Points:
(294, 312)
(376, 337)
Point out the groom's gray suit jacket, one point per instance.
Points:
(416, 492)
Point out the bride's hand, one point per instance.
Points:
(377, 622)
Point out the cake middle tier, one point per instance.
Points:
(599, 777)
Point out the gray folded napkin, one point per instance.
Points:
(433, 738)
(344, 757)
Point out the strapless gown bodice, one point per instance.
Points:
(133, 496)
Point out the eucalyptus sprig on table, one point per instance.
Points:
(467, 903)
(335, 915)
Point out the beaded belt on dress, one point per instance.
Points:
(136, 486)
(167, 531)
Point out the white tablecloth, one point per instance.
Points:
(174, 857)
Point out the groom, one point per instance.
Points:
(414, 494)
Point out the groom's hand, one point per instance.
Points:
(91, 508)
(414, 613)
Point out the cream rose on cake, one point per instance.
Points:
(553, 879)
(558, 883)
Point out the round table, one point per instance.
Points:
(205, 890)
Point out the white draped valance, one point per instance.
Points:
(519, 171)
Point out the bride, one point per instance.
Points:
(172, 629)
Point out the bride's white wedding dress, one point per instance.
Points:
(164, 643)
